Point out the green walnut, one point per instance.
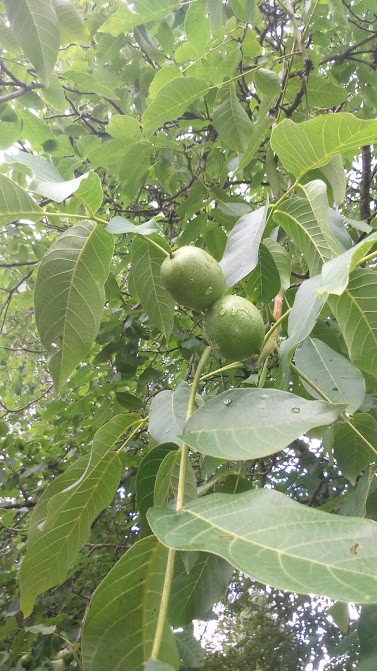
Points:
(193, 277)
(234, 328)
(66, 654)
(26, 661)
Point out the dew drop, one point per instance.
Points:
(222, 313)
(295, 410)
(262, 396)
(208, 291)
(228, 401)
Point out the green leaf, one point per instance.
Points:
(264, 281)
(335, 273)
(350, 443)
(244, 10)
(166, 485)
(123, 127)
(335, 174)
(197, 26)
(49, 183)
(367, 630)
(157, 665)
(125, 19)
(66, 480)
(304, 146)
(145, 481)
(306, 221)
(167, 414)
(162, 77)
(90, 191)
(282, 261)
(267, 82)
(323, 92)
(339, 612)
(55, 543)
(355, 503)
(157, 303)
(70, 295)
(172, 100)
(252, 423)
(303, 316)
(332, 373)
(278, 541)
(36, 28)
(230, 119)
(189, 649)
(193, 594)
(356, 315)
(71, 23)
(258, 131)
(130, 593)
(87, 82)
(16, 204)
(119, 225)
(241, 251)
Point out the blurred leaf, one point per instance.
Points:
(172, 100)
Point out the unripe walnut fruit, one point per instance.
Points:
(193, 277)
(234, 328)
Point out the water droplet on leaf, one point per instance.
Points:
(228, 401)
(295, 409)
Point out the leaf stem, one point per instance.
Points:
(190, 409)
(155, 244)
(169, 572)
(368, 257)
(275, 326)
(310, 383)
(164, 604)
(223, 369)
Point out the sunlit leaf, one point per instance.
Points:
(36, 27)
(241, 251)
(311, 144)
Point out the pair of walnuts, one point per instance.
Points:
(233, 326)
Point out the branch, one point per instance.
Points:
(366, 178)
(17, 264)
(20, 92)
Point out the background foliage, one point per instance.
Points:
(246, 129)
